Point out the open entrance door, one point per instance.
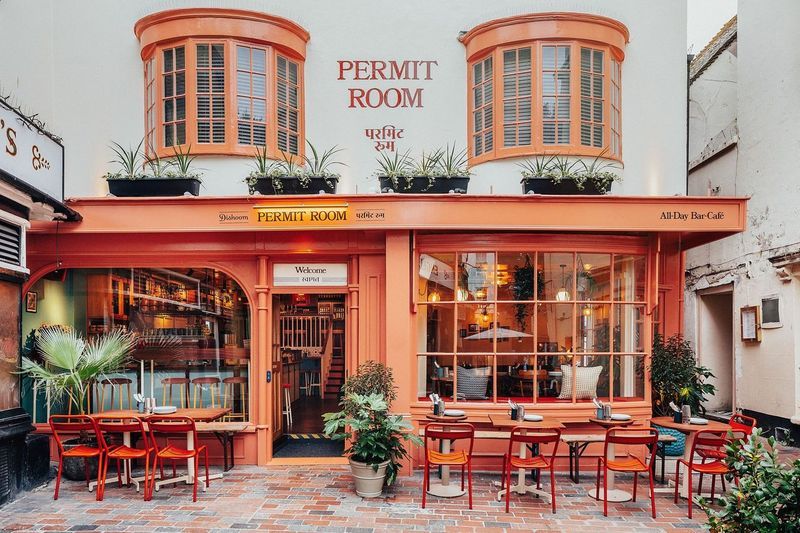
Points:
(715, 346)
(309, 351)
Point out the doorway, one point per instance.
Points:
(309, 358)
(715, 345)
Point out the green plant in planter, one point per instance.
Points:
(536, 167)
(598, 172)
(182, 164)
(129, 161)
(377, 436)
(265, 168)
(320, 163)
(767, 497)
(452, 163)
(395, 167)
(675, 376)
(371, 377)
(427, 166)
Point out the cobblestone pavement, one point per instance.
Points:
(321, 498)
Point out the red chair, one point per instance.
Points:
(644, 437)
(126, 453)
(527, 437)
(740, 422)
(462, 458)
(77, 425)
(741, 428)
(704, 440)
(171, 425)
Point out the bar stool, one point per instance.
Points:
(287, 404)
(312, 381)
(113, 384)
(168, 383)
(213, 388)
(228, 389)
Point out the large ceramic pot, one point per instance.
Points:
(565, 187)
(154, 187)
(369, 482)
(422, 185)
(74, 468)
(292, 185)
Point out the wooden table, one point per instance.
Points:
(444, 489)
(503, 421)
(690, 430)
(198, 415)
(614, 494)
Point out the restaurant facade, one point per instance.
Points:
(270, 301)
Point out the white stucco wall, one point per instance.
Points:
(77, 64)
(763, 166)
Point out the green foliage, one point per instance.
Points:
(538, 166)
(371, 377)
(182, 163)
(768, 496)
(675, 376)
(522, 288)
(377, 435)
(317, 166)
(557, 168)
(320, 163)
(440, 163)
(71, 364)
(129, 161)
(452, 163)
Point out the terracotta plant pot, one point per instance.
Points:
(292, 185)
(565, 187)
(420, 185)
(369, 483)
(154, 187)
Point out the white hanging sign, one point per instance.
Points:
(309, 275)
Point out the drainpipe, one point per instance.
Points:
(689, 58)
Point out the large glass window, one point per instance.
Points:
(536, 326)
(192, 327)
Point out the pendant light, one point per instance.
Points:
(563, 294)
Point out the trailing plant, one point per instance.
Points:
(371, 377)
(72, 364)
(427, 166)
(264, 168)
(557, 168)
(598, 171)
(767, 497)
(129, 162)
(675, 376)
(395, 167)
(319, 165)
(377, 436)
(182, 163)
(452, 163)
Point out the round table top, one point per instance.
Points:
(437, 418)
(610, 423)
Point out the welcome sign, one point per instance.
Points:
(309, 275)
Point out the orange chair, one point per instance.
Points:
(704, 440)
(171, 425)
(647, 438)
(462, 458)
(125, 453)
(527, 437)
(740, 422)
(741, 428)
(77, 424)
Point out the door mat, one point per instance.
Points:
(307, 445)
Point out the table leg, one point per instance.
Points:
(614, 494)
(444, 489)
(687, 456)
(521, 487)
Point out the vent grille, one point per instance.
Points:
(10, 243)
(5, 474)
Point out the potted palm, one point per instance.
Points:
(165, 178)
(69, 367)
(288, 177)
(377, 437)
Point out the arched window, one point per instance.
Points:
(222, 81)
(545, 83)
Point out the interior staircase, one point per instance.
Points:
(333, 384)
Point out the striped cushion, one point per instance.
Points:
(585, 382)
(473, 382)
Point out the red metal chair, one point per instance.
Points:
(77, 425)
(171, 425)
(462, 458)
(741, 428)
(647, 438)
(526, 437)
(704, 440)
(740, 422)
(126, 453)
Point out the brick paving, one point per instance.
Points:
(321, 498)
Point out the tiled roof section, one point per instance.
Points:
(724, 37)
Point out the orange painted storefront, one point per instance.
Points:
(380, 238)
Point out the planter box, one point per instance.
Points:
(292, 185)
(565, 187)
(154, 187)
(419, 185)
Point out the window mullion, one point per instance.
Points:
(272, 108)
(190, 52)
(231, 90)
(575, 89)
(497, 101)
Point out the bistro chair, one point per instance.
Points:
(77, 425)
(741, 428)
(706, 440)
(125, 453)
(167, 384)
(534, 438)
(229, 386)
(462, 458)
(172, 425)
(647, 439)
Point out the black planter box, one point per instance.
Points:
(565, 187)
(292, 185)
(154, 187)
(419, 185)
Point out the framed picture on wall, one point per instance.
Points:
(751, 323)
(31, 301)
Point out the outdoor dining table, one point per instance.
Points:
(197, 414)
(443, 488)
(691, 431)
(614, 494)
(503, 421)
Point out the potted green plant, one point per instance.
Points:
(288, 177)
(166, 178)
(69, 368)
(438, 171)
(377, 437)
(394, 171)
(558, 174)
